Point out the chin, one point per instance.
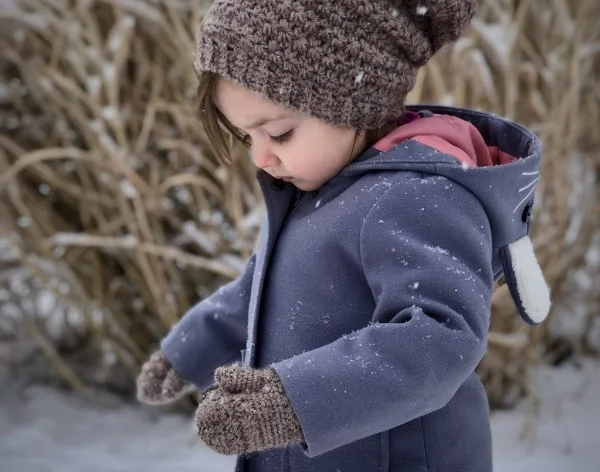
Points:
(306, 187)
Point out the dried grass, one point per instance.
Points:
(121, 209)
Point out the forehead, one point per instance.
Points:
(243, 107)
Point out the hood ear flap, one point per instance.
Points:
(525, 280)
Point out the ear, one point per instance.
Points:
(525, 280)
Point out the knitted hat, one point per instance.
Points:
(347, 62)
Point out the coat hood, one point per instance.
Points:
(498, 161)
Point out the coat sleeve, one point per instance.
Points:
(213, 332)
(426, 250)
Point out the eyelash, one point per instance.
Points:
(281, 139)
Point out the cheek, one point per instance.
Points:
(336, 150)
(318, 153)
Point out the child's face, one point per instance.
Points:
(286, 144)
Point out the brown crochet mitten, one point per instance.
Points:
(246, 410)
(158, 383)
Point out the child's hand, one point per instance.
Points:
(246, 410)
(158, 383)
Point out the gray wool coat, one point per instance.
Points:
(371, 298)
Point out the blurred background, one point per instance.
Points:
(115, 216)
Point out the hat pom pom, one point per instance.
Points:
(442, 21)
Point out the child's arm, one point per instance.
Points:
(211, 334)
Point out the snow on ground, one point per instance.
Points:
(51, 431)
(44, 430)
(566, 434)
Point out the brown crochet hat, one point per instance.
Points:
(347, 62)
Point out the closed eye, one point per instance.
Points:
(282, 138)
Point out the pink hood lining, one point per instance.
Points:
(449, 135)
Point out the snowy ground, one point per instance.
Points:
(44, 430)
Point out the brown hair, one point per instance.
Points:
(220, 131)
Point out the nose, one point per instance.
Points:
(263, 156)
